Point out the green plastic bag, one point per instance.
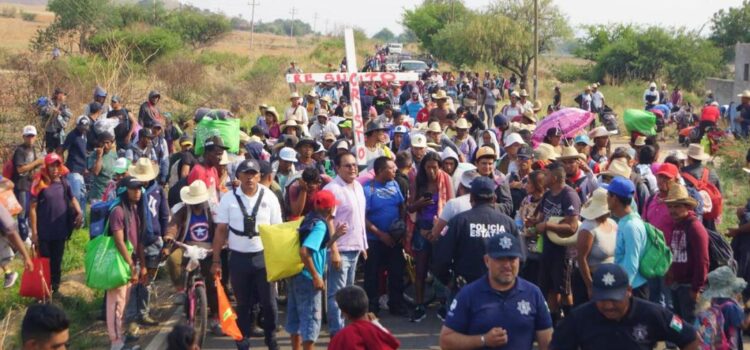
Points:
(657, 257)
(228, 129)
(105, 267)
(641, 121)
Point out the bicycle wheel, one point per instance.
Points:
(200, 314)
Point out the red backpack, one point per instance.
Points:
(707, 190)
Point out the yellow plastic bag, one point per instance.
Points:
(281, 245)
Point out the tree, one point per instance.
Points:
(730, 27)
(407, 37)
(197, 28)
(384, 35)
(433, 15)
(82, 17)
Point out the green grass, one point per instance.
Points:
(82, 309)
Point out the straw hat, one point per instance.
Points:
(618, 167)
(556, 239)
(529, 114)
(596, 206)
(545, 152)
(440, 95)
(537, 106)
(435, 127)
(524, 93)
(678, 194)
(744, 94)
(312, 94)
(294, 96)
(723, 283)
(289, 123)
(697, 152)
(599, 131)
(244, 137)
(144, 170)
(196, 193)
(461, 123)
(326, 98)
(570, 153)
(272, 110)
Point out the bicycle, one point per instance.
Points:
(196, 307)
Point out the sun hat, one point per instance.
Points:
(680, 155)
(524, 93)
(596, 206)
(599, 131)
(583, 138)
(555, 238)
(744, 94)
(435, 127)
(419, 141)
(29, 130)
(121, 165)
(652, 85)
(697, 152)
(288, 154)
(196, 193)
(375, 126)
(678, 194)
(144, 170)
(513, 138)
(461, 123)
(329, 136)
(486, 151)
(609, 282)
(618, 167)
(440, 95)
(290, 123)
(273, 111)
(325, 199)
(504, 245)
(537, 106)
(294, 96)
(723, 283)
(529, 114)
(570, 153)
(515, 94)
(545, 152)
(640, 141)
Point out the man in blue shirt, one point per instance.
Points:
(631, 233)
(385, 207)
(413, 106)
(75, 143)
(499, 310)
(614, 320)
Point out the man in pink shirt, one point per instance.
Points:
(655, 210)
(207, 171)
(350, 212)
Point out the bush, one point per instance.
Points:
(28, 16)
(223, 60)
(568, 72)
(8, 12)
(179, 85)
(144, 44)
(197, 28)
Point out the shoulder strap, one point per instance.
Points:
(239, 201)
(704, 178)
(257, 203)
(690, 178)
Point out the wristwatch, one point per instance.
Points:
(481, 337)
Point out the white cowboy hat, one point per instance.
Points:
(144, 170)
(598, 132)
(697, 152)
(418, 140)
(435, 127)
(744, 94)
(618, 167)
(440, 95)
(461, 123)
(556, 239)
(290, 123)
(196, 193)
(596, 206)
(545, 152)
(570, 153)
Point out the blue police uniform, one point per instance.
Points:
(521, 311)
(643, 326)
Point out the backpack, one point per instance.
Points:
(712, 200)
(720, 252)
(710, 326)
(657, 257)
(41, 105)
(99, 217)
(9, 169)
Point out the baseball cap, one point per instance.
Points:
(621, 187)
(186, 140)
(329, 136)
(514, 138)
(116, 99)
(83, 120)
(214, 141)
(248, 165)
(609, 282)
(500, 120)
(483, 187)
(525, 152)
(29, 130)
(324, 199)
(52, 158)
(503, 245)
(95, 107)
(265, 167)
(468, 177)
(145, 133)
(486, 151)
(130, 183)
(669, 170)
(121, 165)
(400, 129)
(419, 140)
(288, 154)
(583, 139)
(319, 148)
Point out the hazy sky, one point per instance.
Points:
(373, 15)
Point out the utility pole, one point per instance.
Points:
(326, 32)
(536, 47)
(252, 20)
(291, 31)
(315, 22)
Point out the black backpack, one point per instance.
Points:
(720, 252)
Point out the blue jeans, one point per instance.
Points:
(78, 190)
(338, 279)
(23, 216)
(303, 308)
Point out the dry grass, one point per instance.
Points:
(16, 33)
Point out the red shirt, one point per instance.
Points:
(363, 335)
(710, 114)
(423, 115)
(209, 176)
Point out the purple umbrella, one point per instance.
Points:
(570, 120)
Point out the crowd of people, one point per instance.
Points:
(513, 242)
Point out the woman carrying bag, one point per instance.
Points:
(51, 216)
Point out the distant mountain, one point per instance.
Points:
(25, 2)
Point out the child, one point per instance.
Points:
(305, 289)
(363, 331)
(720, 296)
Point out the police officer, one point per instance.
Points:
(499, 310)
(613, 319)
(467, 233)
(250, 203)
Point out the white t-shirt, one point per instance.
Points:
(229, 212)
(597, 99)
(455, 206)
